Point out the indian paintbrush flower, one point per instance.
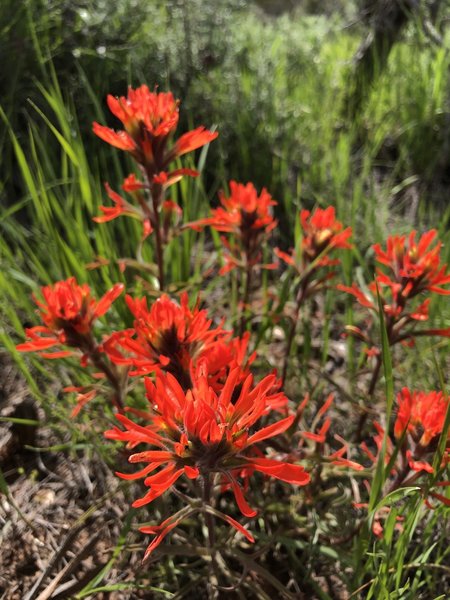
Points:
(200, 433)
(408, 269)
(246, 215)
(321, 234)
(149, 119)
(421, 416)
(172, 337)
(68, 312)
(167, 336)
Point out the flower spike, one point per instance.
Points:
(199, 432)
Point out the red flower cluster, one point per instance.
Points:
(422, 416)
(201, 433)
(415, 266)
(174, 338)
(68, 311)
(411, 269)
(149, 118)
(167, 336)
(248, 217)
(322, 233)
(417, 428)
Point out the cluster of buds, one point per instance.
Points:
(410, 269)
(149, 120)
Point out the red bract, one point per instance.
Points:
(167, 336)
(246, 215)
(170, 212)
(68, 311)
(422, 415)
(226, 355)
(121, 206)
(200, 432)
(415, 267)
(412, 268)
(149, 118)
(243, 212)
(84, 395)
(321, 234)
(319, 436)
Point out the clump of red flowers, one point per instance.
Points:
(68, 312)
(321, 234)
(209, 429)
(168, 336)
(247, 216)
(150, 119)
(204, 434)
(407, 270)
(410, 453)
(421, 416)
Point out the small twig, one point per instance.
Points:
(54, 560)
(48, 592)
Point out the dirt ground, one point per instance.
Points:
(61, 514)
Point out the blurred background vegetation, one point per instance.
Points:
(282, 80)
